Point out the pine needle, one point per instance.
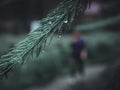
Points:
(35, 42)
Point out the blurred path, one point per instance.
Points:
(64, 83)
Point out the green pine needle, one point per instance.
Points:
(36, 41)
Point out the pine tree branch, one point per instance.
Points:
(36, 41)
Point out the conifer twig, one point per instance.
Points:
(35, 42)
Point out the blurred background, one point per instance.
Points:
(100, 28)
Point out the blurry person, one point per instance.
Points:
(79, 53)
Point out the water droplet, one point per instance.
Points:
(59, 37)
(66, 21)
(50, 22)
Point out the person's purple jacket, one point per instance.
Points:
(77, 48)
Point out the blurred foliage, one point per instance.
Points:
(103, 47)
(98, 24)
